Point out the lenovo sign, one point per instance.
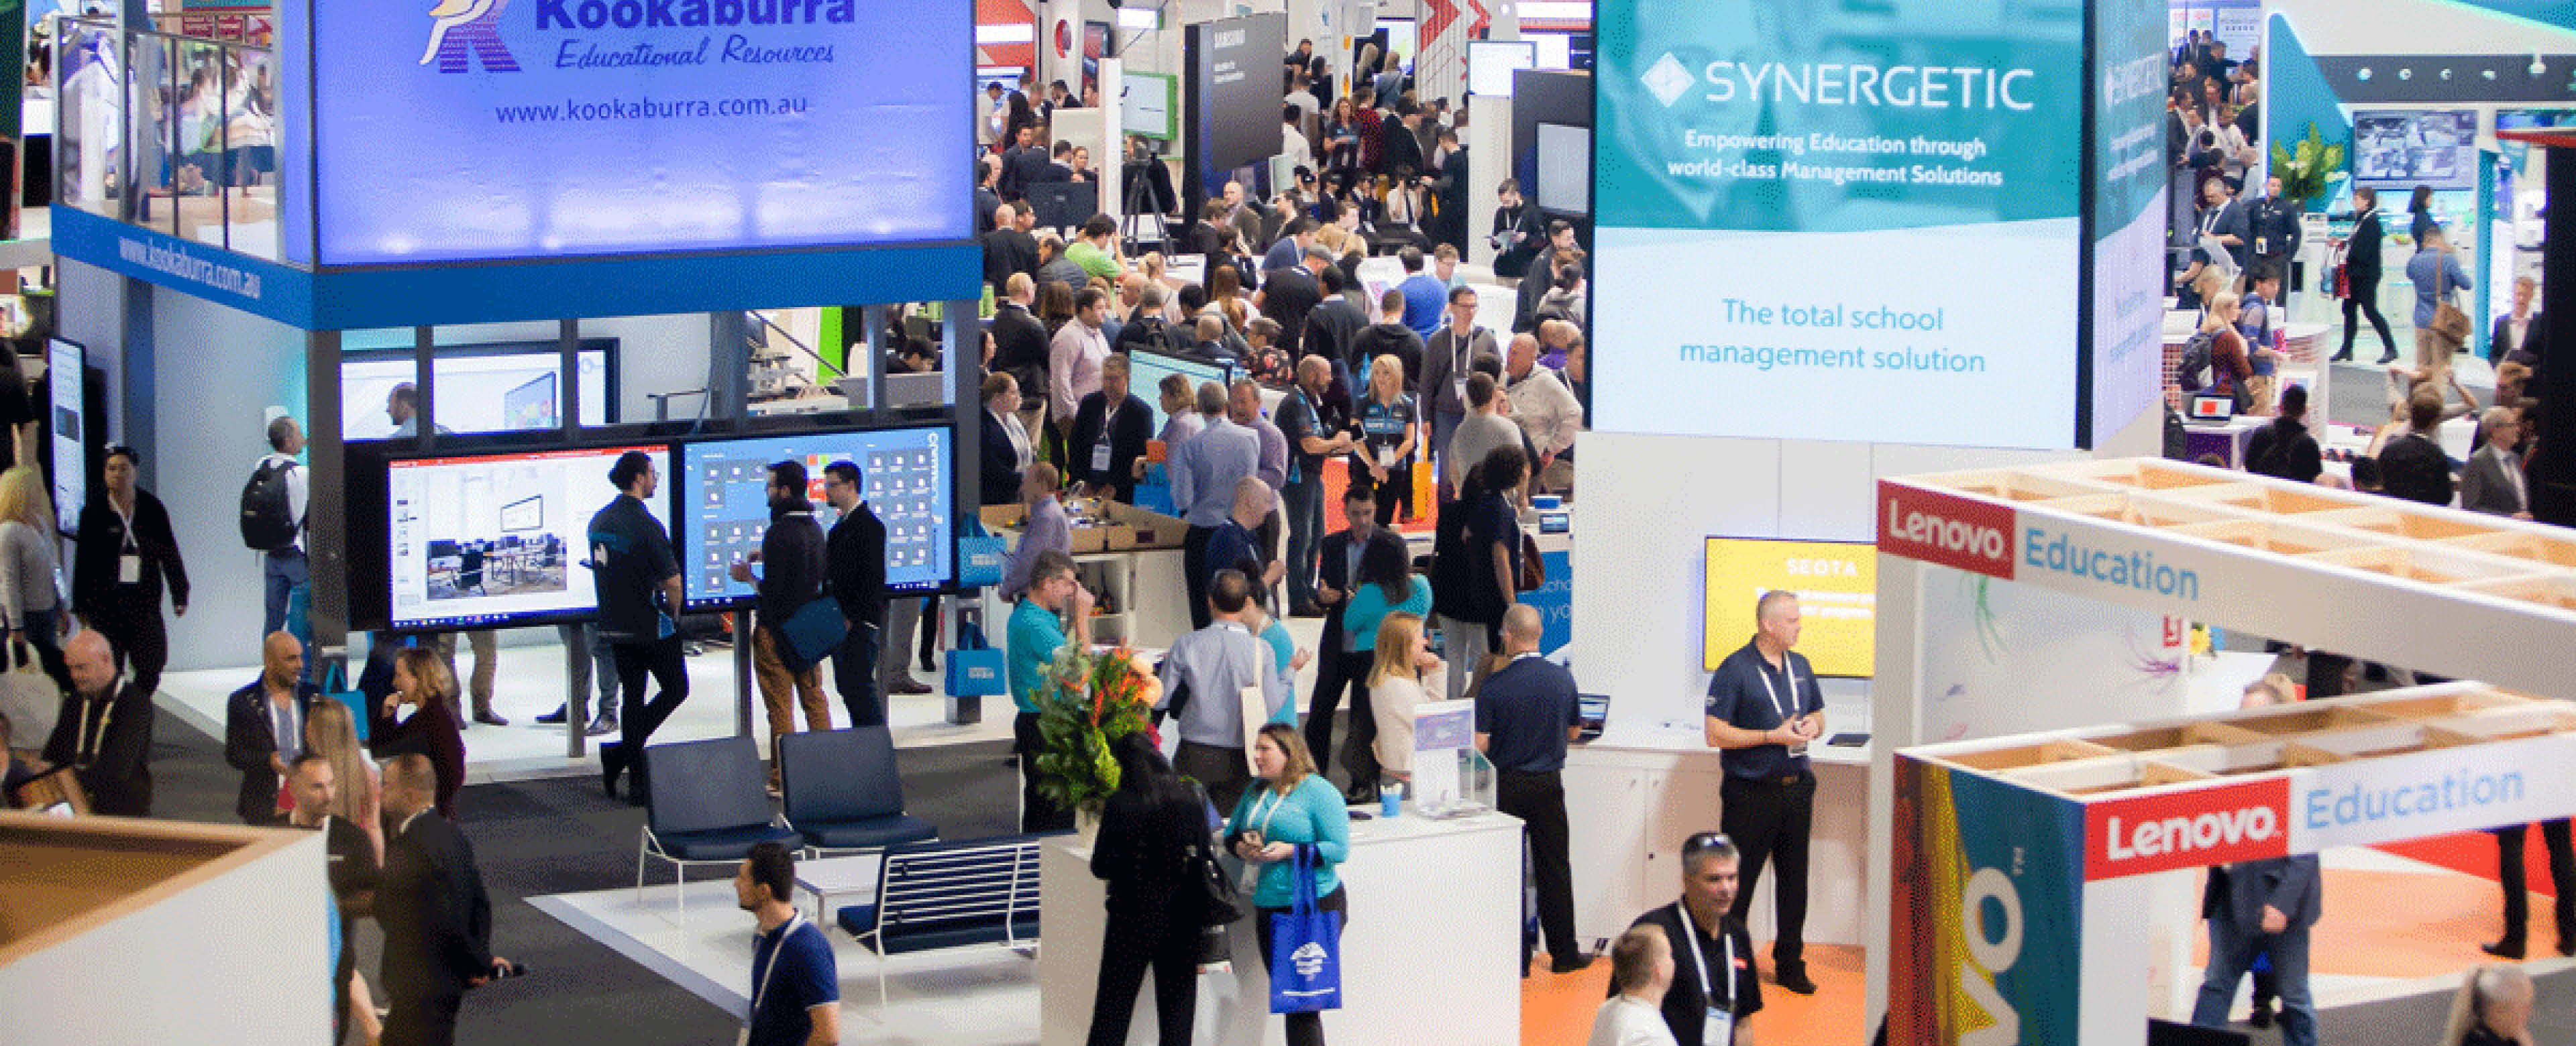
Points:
(2190, 829)
(1945, 529)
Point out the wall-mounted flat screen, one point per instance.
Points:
(1491, 63)
(1564, 168)
(2411, 147)
(503, 387)
(906, 476)
(70, 424)
(1837, 587)
(497, 538)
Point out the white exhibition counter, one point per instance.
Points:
(1655, 790)
(1428, 957)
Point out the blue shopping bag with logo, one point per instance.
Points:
(981, 555)
(1305, 949)
(975, 669)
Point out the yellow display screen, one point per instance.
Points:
(1837, 587)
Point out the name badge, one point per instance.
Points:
(1718, 1028)
(1386, 457)
(129, 569)
(1100, 457)
(2262, 245)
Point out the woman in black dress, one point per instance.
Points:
(2361, 274)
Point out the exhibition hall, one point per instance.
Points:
(1532, 523)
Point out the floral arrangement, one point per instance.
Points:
(1085, 702)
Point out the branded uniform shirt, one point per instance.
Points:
(1747, 693)
(631, 558)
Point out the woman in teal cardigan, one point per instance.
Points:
(1291, 808)
(1386, 584)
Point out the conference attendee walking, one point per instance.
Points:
(2263, 907)
(1204, 682)
(637, 580)
(431, 731)
(1313, 431)
(2515, 878)
(1291, 819)
(1641, 972)
(353, 874)
(31, 576)
(436, 916)
(124, 559)
(1152, 831)
(1037, 630)
(1449, 353)
(1479, 568)
(2436, 273)
(103, 730)
(1337, 562)
(1763, 710)
(795, 981)
(1526, 713)
(790, 575)
(2361, 268)
(273, 506)
(264, 728)
(2515, 337)
(1714, 988)
(1385, 584)
(855, 565)
(1204, 470)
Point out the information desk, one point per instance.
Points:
(1665, 787)
(1428, 957)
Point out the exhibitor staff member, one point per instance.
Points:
(1763, 709)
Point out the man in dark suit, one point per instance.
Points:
(988, 191)
(1403, 157)
(1334, 325)
(1110, 429)
(2493, 482)
(854, 558)
(1028, 164)
(264, 726)
(1008, 250)
(436, 918)
(1287, 295)
(2261, 906)
(104, 730)
(352, 873)
(1006, 442)
(1337, 563)
(1448, 178)
(1019, 339)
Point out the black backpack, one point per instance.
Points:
(267, 522)
(2192, 374)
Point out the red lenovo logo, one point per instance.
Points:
(1945, 529)
(2204, 826)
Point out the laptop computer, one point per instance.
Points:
(1593, 713)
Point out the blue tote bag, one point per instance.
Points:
(1305, 950)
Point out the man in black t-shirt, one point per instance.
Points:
(631, 562)
(1714, 987)
(1315, 430)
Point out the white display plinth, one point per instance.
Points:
(1428, 957)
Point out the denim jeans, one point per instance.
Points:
(1305, 501)
(2231, 953)
(284, 577)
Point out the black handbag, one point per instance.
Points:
(1220, 902)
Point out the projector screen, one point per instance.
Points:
(1564, 168)
(1837, 587)
(508, 387)
(500, 538)
(906, 475)
(1491, 63)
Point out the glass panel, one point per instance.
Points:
(251, 132)
(198, 169)
(89, 152)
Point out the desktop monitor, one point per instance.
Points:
(1837, 587)
(496, 538)
(908, 478)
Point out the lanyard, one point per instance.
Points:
(2209, 222)
(1276, 800)
(1699, 958)
(1774, 692)
(775, 947)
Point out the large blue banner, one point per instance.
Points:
(457, 130)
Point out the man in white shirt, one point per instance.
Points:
(1292, 137)
(1641, 968)
(1073, 360)
(283, 571)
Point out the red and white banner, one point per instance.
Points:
(2219, 824)
(1937, 527)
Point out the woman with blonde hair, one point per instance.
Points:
(2492, 1008)
(31, 585)
(330, 731)
(1225, 291)
(1405, 674)
(1389, 428)
(422, 681)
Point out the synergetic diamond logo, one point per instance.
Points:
(462, 28)
(1667, 79)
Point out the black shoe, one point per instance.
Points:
(554, 718)
(489, 717)
(601, 727)
(1569, 963)
(2388, 359)
(2341, 357)
(1794, 978)
(2262, 1015)
(2567, 944)
(611, 760)
(2510, 948)
(926, 666)
(1360, 795)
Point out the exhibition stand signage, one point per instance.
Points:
(434, 164)
(1763, 155)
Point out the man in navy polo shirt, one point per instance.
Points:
(1763, 709)
(1525, 714)
(795, 984)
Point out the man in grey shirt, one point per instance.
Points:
(1046, 529)
(1205, 675)
(1447, 356)
(1204, 470)
(1485, 429)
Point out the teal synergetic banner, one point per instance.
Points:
(2128, 209)
(1873, 210)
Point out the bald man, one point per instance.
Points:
(1526, 713)
(264, 728)
(436, 916)
(104, 731)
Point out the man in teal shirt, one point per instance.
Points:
(1035, 634)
